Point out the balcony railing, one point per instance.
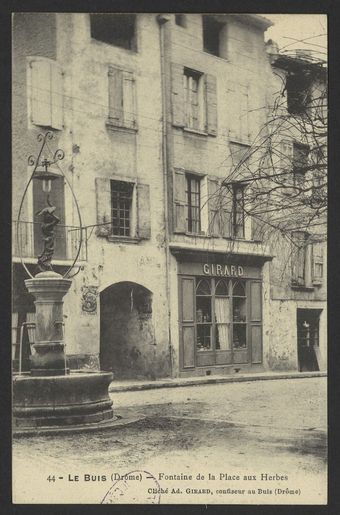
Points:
(66, 243)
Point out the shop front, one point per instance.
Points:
(220, 313)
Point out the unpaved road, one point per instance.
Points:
(272, 432)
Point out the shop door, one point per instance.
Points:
(308, 339)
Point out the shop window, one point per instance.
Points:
(121, 202)
(298, 89)
(122, 99)
(193, 195)
(180, 20)
(221, 319)
(46, 93)
(239, 316)
(238, 211)
(212, 35)
(203, 315)
(114, 29)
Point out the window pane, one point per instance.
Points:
(193, 202)
(239, 309)
(204, 337)
(239, 289)
(222, 287)
(222, 308)
(203, 287)
(203, 309)
(222, 337)
(121, 201)
(239, 336)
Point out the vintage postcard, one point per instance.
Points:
(169, 307)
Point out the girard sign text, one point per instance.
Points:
(224, 270)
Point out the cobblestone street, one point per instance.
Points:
(276, 428)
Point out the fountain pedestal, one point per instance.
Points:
(49, 289)
(50, 396)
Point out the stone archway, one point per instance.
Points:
(127, 341)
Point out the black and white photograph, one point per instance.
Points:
(169, 258)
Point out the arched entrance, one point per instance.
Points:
(127, 341)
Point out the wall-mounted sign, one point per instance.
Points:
(223, 270)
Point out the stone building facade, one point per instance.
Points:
(152, 111)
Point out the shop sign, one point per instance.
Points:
(223, 270)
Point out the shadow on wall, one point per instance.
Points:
(127, 338)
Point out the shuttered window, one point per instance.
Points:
(122, 98)
(194, 99)
(123, 209)
(46, 98)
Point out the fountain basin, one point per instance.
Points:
(79, 398)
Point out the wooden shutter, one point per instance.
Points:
(180, 201)
(56, 96)
(255, 320)
(103, 195)
(238, 111)
(243, 113)
(187, 316)
(177, 94)
(298, 258)
(129, 100)
(214, 203)
(317, 260)
(211, 104)
(256, 229)
(41, 92)
(116, 114)
(143, 210)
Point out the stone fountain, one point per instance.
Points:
(50, 397)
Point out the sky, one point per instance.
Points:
(290, 27)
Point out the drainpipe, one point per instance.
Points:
(164, 43)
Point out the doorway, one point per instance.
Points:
(308, 321)
(127, 339)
